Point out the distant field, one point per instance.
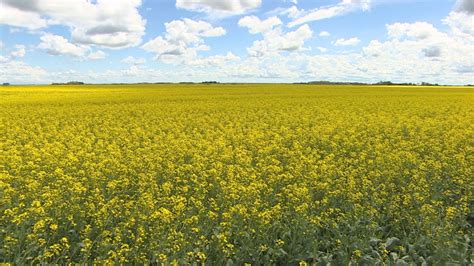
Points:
(234, 174)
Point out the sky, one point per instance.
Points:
(107, 41)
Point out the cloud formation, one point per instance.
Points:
(274, 38)
(182, 41)
(326, 12)
(255, 25)
(347, 42)
(133, 61)
(324, 34)
(219, 8)
(58, 45)
(466, 6)
(461, 19)
(407, 52)
(108, 23)
(19, 51)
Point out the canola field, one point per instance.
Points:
(236, 175)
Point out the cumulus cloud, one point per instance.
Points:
(109, 23)
(19, 72)
(274, 38)
(255, 25)
(219, 8)
(97, 55)
(21, 18)
(431, 53)
(417, 30)
(214, 60)
(347, 42)
(19, 51)
(182, 41)
(58, 45)
(325, 12)
(412, 52)
(322, 49)
(292, 12)
(324, 34)
(461, 19)
(133, 61)
(466, 6)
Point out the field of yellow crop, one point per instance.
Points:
(235, 174)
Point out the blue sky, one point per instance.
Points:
(102, 41)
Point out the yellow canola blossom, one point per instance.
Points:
(236, 175)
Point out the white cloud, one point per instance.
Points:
(109, 23)
(97, 55)
(347, 42)
(255, 25)
(291, 12)
(420, 51)
(417, 30)
(461, 23)
(322, 49)
(324, 34)
(276, 41)
(215, 60)
(274, 38)
(325, 12)
(19, 51)
(20, 72)
(182, 41)
(413, 52)
(20, 18)
(219, 8)
(58, 45)
(267, 68)
(133, 61)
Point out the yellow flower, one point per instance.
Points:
(357, 253)
(201, 256)
(263, 248)
(279, 242)
(163, 257)
(176, 173)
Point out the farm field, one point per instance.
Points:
(233, 174)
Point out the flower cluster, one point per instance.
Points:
(239, 174)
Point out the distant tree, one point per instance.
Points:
(325, 82)
(6, 84)
(69, 83)
(384, 83)
(429, 84)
